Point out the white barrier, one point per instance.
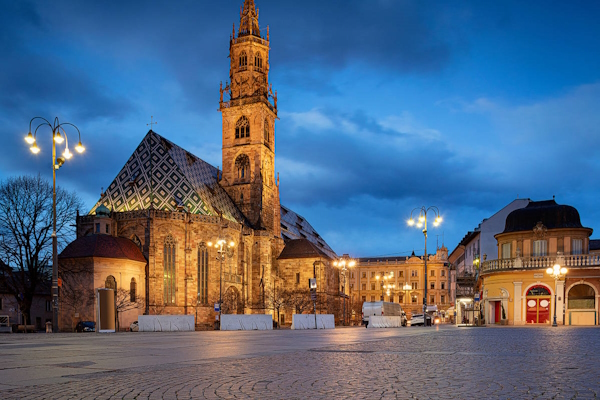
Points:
(166, 323)
(246, 322)
(307, 321)
(380, 321)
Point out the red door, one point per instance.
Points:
(538, 310)
(497, 309)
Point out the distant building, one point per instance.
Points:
(406, 274)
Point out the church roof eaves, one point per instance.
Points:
(104, 246)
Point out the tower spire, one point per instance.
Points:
(249, 20)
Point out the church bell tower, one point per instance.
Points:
(249, 125)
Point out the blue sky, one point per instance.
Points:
(384, 105)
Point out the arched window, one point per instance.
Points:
(132, 290)
(582, 297)
(258, 61)
(169, 270)
(242, 166)
(242, 128)
(202, 274)
(111, 283)
(538, 290)
(243, 59)
(266, 131)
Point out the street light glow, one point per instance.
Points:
(79, 148)
(34, 149)
(58, 138)
(29, 138)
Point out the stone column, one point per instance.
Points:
(517, 300)
(560, 301)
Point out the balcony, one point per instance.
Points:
(540, 263)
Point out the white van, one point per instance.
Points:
(382, 308)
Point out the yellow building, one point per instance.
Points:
(401, 280)
(517, 290)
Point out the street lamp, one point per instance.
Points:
(384, 285)
(344, 263)
(557, 273)
(421, 214)
(222, 246)
(57, 162)
(406, 288)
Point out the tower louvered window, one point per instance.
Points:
(243, 59)
(242, 128)
(202, 274)
(169, 270)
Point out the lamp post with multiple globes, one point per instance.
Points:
(421, 214)
(557, 272)
(222, 246)
(56, 127)
(384, 282)
(344, 263)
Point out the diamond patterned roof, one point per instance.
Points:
(182, 179)
(179, 179)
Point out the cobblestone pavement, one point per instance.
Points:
(406, 363)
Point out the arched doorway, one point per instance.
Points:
(232, 302)
(537, 303)
(581, 302)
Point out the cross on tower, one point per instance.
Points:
(151, 122)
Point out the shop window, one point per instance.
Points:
(581, 296)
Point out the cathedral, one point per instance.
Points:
(152, 233)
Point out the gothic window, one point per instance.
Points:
(169, 270)
(202, 274)
(111, 283)
(243, 59)
(132, 290)
(242, 128)
(242, 166)
(258, 61)
(266, 131)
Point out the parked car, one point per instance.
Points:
(417, 319)
(134, 327)
(85, 326)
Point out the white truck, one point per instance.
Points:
(382, 308)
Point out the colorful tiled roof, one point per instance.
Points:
(103, 246)
(294, 226)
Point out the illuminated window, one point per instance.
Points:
(202, 274)
(169, 282)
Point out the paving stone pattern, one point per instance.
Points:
(484, 363)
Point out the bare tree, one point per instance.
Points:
(299, 300)
(124, 301)
(76, 292)
(26, 233)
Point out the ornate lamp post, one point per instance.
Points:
(222, 247)
(557, 273)
(406, 288)
(344, 263)
(56, 128)
(384, 278)
(421, 215)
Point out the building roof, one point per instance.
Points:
(105, 246)
(294, 226)
(181, 179)
(594, 244)
(552, 215)
(469, 237)
(301, 248)
(394, 259)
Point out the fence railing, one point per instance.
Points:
(527, 263)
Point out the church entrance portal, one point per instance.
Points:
(538, 305)
(232, 302)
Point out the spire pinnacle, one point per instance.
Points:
(249, 19)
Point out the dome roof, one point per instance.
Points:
(102, 211)
(552, 215)
(103, 246)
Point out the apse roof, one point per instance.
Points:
(301, 248)
(103, 246)
(294, 226)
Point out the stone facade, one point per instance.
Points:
(364, 285)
